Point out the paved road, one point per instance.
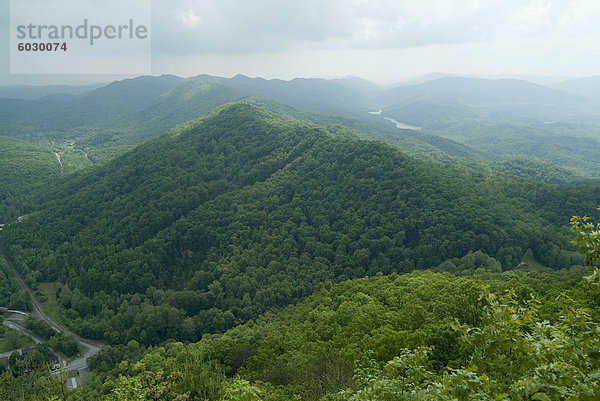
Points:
(16, 326)
(92, 347)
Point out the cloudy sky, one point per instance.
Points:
(384, 41)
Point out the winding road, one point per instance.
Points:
(92, 347)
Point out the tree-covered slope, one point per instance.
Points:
(244, 211)
(23, 164)
(499, 137)
(26, 165)
(537, 170)
(339, 338)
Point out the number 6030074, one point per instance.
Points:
(42, 47)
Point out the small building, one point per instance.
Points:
(26, 351)
(53, 359)
(73, 383)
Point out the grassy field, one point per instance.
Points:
(12, 341)
(46, 296)
(71, 158)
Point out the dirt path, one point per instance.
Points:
(87, 158)
(59, 163)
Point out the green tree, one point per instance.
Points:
(127, 389)
(588, 240)
(241, 390)
(13, 339)
(514, 356)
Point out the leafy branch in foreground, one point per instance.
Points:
(514, 356)
(588, 240)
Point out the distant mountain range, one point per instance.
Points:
(36, 92)
(461, 117)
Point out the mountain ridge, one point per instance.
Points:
(245, 211)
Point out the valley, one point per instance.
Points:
(203, 235)
(299, 201)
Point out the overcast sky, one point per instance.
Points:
(384, 41)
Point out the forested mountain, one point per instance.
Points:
(245, 211)
(505, 119)
(116, 100)
(468, 118)
(507, 135)
(95, 127)
(539, 171)
(112, 119)
(104, 123)
(277, 243)
(158, 103)
(285, 229)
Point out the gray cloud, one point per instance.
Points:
(378, 39)
(229, 26)
(240, 26)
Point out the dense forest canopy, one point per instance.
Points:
(293, 246)
(244, 211)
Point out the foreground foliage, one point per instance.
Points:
(384, 337)
(514, 356)
(522, 335)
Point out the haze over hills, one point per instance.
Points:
(481, 91)
(588, 87)
(461, 117)
(461, 122)
(547, 80)
(97, 126)
(36, 92)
